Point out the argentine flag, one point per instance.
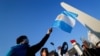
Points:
(65, 21)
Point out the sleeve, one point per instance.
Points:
(37, 47)
(11, 52)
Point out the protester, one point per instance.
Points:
(23, 49)
(89, 51)
(53, 53)
(59, 50)
(44, 52)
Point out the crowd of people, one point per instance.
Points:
(90, 51)
(24, 49)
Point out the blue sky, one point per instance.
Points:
(33, 18)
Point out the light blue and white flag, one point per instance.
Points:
(65, 21)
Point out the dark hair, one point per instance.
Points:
(20, 39)
(46, 49)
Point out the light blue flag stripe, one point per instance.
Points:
(62, 25)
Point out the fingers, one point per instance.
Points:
(49, 31)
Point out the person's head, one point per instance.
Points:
(44, 52)
(85, 44)
(53, 53)
(22, 40)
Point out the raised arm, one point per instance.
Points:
(37, 47)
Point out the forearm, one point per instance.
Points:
(38, 46)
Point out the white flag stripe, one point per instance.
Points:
(67, 19)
